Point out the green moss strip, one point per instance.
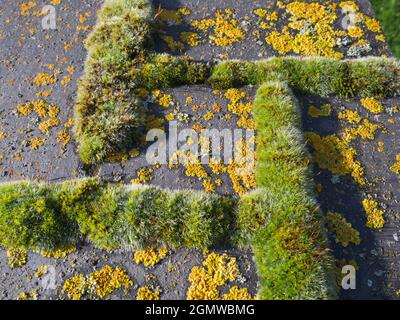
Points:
(109, 115)
(379, 77)
(50, 217)
(281, 219)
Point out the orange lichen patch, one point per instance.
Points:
(396, 167)
(355, 32)
(41, 271)
(101, 283)
(191, 38)
(310, 31)
(75, 287)
(324, 111)
(209, 186)
(145, 293)
(25, 7)
(45, 126)
(36, 143)
(60, 253)
(108, 279)
(208, 116)
(242, 170)
(144, 175)
(69, 123)
(217, 166)
(16, 257)
(44, 79)
(366, 131)
(195, 169)
(237, 294)
(381, 146)
(41, 108)
(351, 116)
(66, 80)
(162, 99)
(372, 24)
(63, 137)
(380, 37)
(350, 5)
(240, 108)
(217, 271)
(150, 257)
(333, 154)
(226, 29)
(372, 105)
(24, 109)
(375, 218)
(45, 93)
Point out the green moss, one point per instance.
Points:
(52, 217)
(281, 219)
(320, 76)
(107, 112)
(163, 70)
(343, 230)
(31, 218)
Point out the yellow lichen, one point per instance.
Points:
(63, 137)
(209, 186)
(226, 29)
(44, 79)
(374, 215)
(75, 287)
(237, 294)
(396, 167)
(355, 32)
(41, 271)
(191, 38)
(144, 175)
(36, 143)
(351, 116)
(372, 24)
(108, 279)
(16, 257)
(59, 253)
(218, 270)
(372, 105)
(150, 257)
(333, 154)
(145, 293)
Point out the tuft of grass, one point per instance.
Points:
(31, 218)
(388, 12)
(53, 217)
(107, 112)
(281, 219)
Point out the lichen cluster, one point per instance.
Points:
(98, 283)
(218, 270)
(16, 257)
(375, 216)
(150, 257)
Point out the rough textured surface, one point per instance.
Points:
(26, 51)
(377, 255)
